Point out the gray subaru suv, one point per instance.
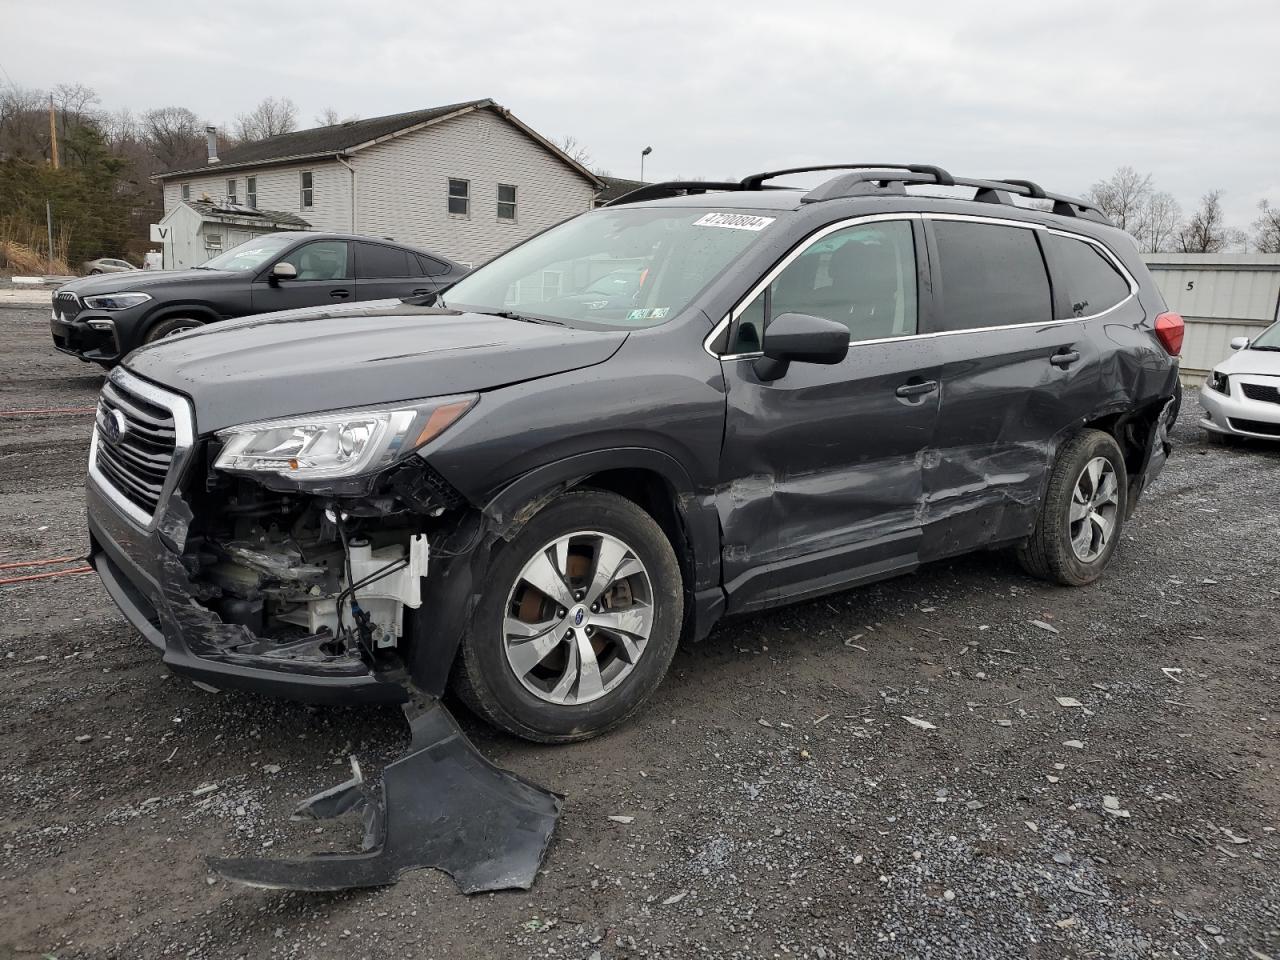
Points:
(530, 493)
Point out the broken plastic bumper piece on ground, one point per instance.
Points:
(443, 805)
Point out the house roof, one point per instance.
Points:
(209, 210)
(615, 187)
(344, 138)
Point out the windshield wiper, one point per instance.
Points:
(1254, 346)
(523, 318)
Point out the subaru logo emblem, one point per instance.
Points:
(114, 427)
(579, 616)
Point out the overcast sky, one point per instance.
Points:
(1055, 92)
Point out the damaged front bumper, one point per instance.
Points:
(143, 573)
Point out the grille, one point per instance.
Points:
(1255, 426)
(1261, 391)
(135, 460)
(67, 304)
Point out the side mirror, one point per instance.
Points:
(1239, 343)
(802, 338)
(283, 271)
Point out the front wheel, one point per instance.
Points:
(577, 624)
(1082, 515)
(171, 327)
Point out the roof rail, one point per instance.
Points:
(881, 182)
(876, 179)
(672, 188)
(940, 176)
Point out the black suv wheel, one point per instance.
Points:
(577, 624)
(1082, 515)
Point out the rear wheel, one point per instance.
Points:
(1082, 515)
(170, 327)
(577, 624)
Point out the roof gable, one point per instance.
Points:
(344, 138)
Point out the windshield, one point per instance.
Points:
(624, 267)
(251, 254)
(1268, 339)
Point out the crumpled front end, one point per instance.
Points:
(310, 595)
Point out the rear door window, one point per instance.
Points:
(862, 276)
(992, 276)
(375, 262)
(1091, 282)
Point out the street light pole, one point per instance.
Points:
(644, 153)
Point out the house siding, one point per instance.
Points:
(279, 188)
(402, 187)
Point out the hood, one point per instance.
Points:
(305, 361)
(1263, 362)
(139, 280)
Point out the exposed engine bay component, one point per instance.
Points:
(442, 805)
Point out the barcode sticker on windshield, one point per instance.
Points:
(734, 221)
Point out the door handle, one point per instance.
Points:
(908, 390)
(421, 292)
(339, 294)
(1065, 359)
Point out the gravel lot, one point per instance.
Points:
(782, 804)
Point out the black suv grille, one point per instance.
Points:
(136, 441)
(1261, 391)
(67, 304)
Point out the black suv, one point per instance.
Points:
(102, 318)
(535, 496)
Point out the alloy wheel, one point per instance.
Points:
(578, 618)
(1094, 504)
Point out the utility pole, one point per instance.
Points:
(53, 135)
(48, 222)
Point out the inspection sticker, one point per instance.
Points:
(649, 313)
(734, 221)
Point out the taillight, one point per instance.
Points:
(1169, 330)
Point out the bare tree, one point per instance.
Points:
(74, 101)
(1123, 197)
(1266, 229)
(270, 118)
(329, 117)
(576, 150)
(174, 136)
(24, 123)
(1161, 221)
(1207, 230)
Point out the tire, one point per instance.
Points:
(537, 705)
(169, 326)
(1050, 553)
(95, 272)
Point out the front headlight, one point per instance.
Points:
(340, 444)
(116, 301)
(1219, 382)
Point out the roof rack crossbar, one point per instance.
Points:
(672, 188)
(940, 176)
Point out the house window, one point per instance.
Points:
(231, 191)
(551, 284)
(506, 201)
(251, 191)
(459, 198)
(213, 241)
(308, 194)
(186, 191)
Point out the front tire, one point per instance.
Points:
(171, 326)
(1082, 515)
(577, 623)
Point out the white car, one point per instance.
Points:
(1241, 396)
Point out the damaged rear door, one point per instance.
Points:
(821, 468)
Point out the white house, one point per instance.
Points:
(467, 180)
